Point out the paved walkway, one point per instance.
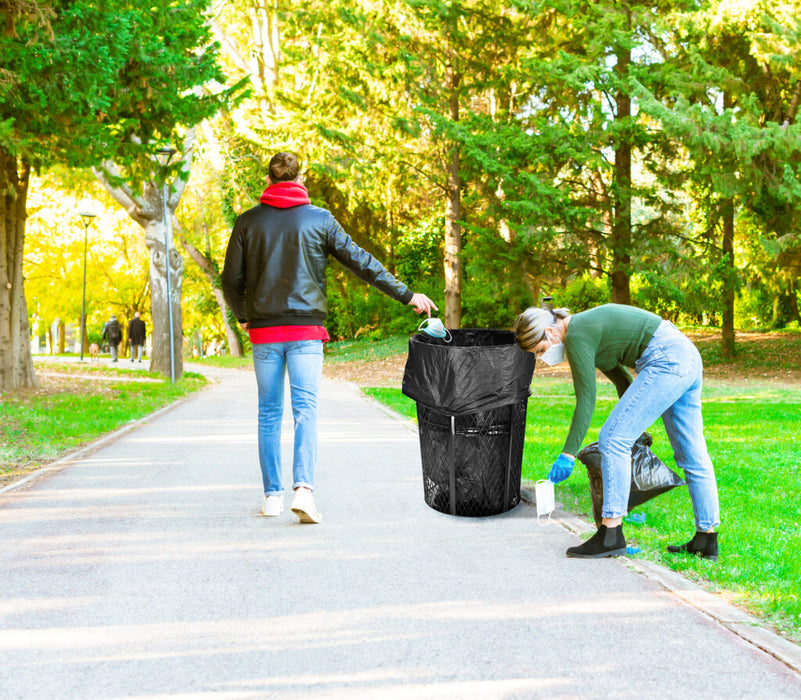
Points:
(144, 570)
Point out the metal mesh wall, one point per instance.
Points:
(472, 462)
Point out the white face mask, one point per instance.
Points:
(555, 354)
(546, 501)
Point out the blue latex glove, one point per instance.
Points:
(561, 468)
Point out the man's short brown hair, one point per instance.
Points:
(284, 167)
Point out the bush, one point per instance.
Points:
(583, 293)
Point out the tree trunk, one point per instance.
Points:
(453, 214)
(206, 264)
(16, 363)
(159, 309)
(148, 210)
(621, 230)
(729, 281)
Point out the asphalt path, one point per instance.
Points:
(144, 570)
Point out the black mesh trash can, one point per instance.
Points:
(471, 396)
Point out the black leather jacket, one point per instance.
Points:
(274, 272)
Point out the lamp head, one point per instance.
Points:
(87, 217)
(165, 154)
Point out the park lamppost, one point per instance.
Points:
(165, 155)
(86, 220)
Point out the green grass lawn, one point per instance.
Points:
(39, 426)
(752, 433)
(225, 361)
(365, 350)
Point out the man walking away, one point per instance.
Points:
(274, 282)
(137, 333)
(113, 333)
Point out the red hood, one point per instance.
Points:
(285, 194)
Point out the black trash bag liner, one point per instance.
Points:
(477, 370)
(472, 462)
(650, 476)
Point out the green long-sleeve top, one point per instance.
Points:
(610, 338)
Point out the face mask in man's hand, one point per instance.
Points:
(435, 328)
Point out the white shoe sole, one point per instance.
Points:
(305, 517)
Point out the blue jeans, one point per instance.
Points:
(303, 360)
(668, 384)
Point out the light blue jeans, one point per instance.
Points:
(303, 360)
(668, 384)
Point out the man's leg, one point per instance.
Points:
(305, 366)
(269, 364)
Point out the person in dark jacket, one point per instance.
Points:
(113, 333)
(137, 332)
(611, 338)
(274, 282)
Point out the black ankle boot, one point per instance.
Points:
(703, 543)
(604, 543)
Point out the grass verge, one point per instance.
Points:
(75, 405)
(751, 431)
(225, 361)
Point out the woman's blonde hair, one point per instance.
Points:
(530, 326)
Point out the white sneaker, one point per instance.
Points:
(303, 506)
(272, 506)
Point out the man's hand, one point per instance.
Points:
(561, 468)
(245, 325)
(421, 303)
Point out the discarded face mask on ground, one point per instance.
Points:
(546, 502)
(435, 328)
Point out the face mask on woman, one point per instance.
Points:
(555, 354)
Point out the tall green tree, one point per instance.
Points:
(71, 96)
(597, 53)
(734, 101)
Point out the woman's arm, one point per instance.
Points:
(582, 367)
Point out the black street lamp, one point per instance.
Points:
(164, 156)
(86, 220)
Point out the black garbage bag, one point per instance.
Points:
(471, 396)
(650, 476)
(477, 370)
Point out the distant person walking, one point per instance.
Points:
(137, 332)
(113, 333)
(274, 281)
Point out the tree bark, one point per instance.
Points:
(16, 363)
(453, 214)
(729, 274)
(729, 281)
(621, 230)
